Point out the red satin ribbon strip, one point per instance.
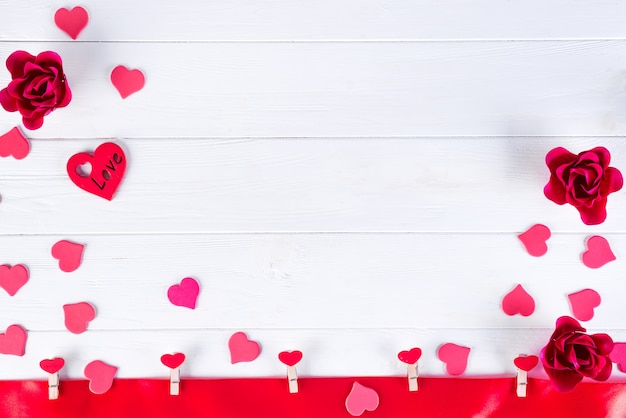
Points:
(318, 398)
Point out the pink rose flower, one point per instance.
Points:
(571, 355)
(584, 181)
(38, 86)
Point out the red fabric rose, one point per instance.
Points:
(584, 181)
(38, 86)
(571, 355)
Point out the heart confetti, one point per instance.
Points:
(184, 294)
(583, 303)
(13, 341)
(290, 358)
(361, 399)
(127, 81)
(242, 349)
(526, 363)
(455, 357)
(518, 301)
(52, 365)
(173, 361)
(534, 239)
(618, 355)
(598, 252)
(411, 356)
(69, 254)
(100, 376)
(78, 316)
(108, 164)
(12, 278)
(14, 144)
(71, 21)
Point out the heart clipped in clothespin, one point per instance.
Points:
(524, 364)
(174, 361)
(410, 358)
(52, 367)
(290, 359)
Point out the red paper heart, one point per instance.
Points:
(127, 81)
(13, 341)
(526, 363)
(52, 365)
(78, 316)
(184, 294)
(108, 164)
(411, 356)
(14, 144)
(618, 355)
(290, 358)
(100, 376)
(69, 255)
(71, 21)
(13, 278)
(173, 360)
(242, 349)
(598, 252)
(455, 357)
(534, 240)
(518, 301)
(583, 303)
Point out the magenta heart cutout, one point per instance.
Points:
(13, 278)
(52, 365)
(518, 301)
(526, 363)
(13, 341)
(173, 361)
(184, 294)
(618, 355)
(411, 356)
(127, 81)
(361, 399)
(14, 144)
(78, 316)
(100, 376)
(534, 239)
(455, 357)
(598, 252)
(242, 349)
(583, 303)
(71, 21)
(69, 255)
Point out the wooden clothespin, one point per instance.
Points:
(524, 364)
(290, 359)
(52, 367)
(173, 361)
(410, 358)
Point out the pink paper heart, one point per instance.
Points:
(290, 358)
(526, 363)
(13, 341)
(100, 376)
(618, 355)
(173, 360)
(583, 303)
(71, 21)
(52, 365)
(534, 239)
(518, 301)
(127, 81)
(78, 316)
(361, 399)
(69, 255)
(184, 294)
(13, 278)
(411, 356)
(14, 144)
(598, 252)
(242, 349)
(455, 357)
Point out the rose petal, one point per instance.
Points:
(563, 380)
(7, 102)
(594, 215)
(49, 59)
(604, 156)
(605, 372)
(603, 342)
(557, 157)
(567, 324)
(613, 180)
(17, 61)
(34, 122)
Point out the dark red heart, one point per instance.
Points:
(173, 360)
(108, 164)
(52, 365)
(290, 358)
(526, 363)
(411, 356)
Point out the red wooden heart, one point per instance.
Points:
(173, 360)
(52, 365)
(290, 358)
(411, 356)
(526, 363)
(108, 164)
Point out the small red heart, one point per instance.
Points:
(69, 255)
(455, 357)
(411, 356)
(52, 365)
(127, 81)
(583, 303)
(526, 363)
(108, 164)
(242, 349)
(78, 316)
(12, 278)
(173, 360)
(518, 301)
(598, 252)
(71, 21)
(290, 358)
(534, 240)
(13, 143)
(13, 341)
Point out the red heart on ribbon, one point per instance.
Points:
(108, 164)
(526, 363)
(173, 360)
(290, 358)
(411, 356)
(52, 365)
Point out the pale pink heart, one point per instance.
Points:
(361, 399)
(69, 254)
(71, 21)
(14, 144)
(534, 239)
(127, 81)
(618, 355)
(598, 252)
(184, 294)
(12, 278)
(242, 349)
(518, 301)
(78, 316)
(583, 303)
(455, 358)
(13, 341)
(100, 376)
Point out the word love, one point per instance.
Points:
(108, 164)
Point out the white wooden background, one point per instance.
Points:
(345, 177)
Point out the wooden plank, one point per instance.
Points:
(340, 89)
(320, 20)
